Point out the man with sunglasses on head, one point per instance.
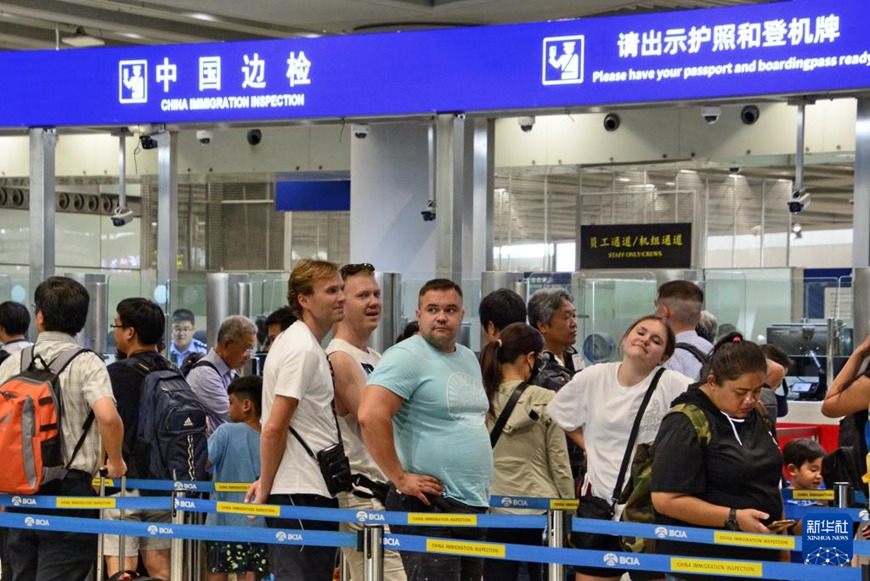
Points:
(423, 418)
(210, 376)
(352, 361)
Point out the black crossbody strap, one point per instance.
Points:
(334, 416)
(635, 428)
(495, 434)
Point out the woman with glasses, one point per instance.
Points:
(530, 455)
(721, 470)
(598, 408)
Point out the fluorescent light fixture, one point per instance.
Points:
(202, 16)
(80, 39)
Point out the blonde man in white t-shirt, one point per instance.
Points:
(298, 393)
(352, 360)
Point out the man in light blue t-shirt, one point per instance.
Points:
(423, 419)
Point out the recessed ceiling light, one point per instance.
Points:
(203, 16)
(131, 35)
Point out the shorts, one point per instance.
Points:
(224, 557)
(132, 545)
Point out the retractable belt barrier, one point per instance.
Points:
(631, 561)
(674, 533)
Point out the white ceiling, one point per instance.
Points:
(41, 24)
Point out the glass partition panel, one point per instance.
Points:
(607, 303)
(5, 288)
(270, 292)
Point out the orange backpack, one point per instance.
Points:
(31, 412)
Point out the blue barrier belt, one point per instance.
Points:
(758, 569)
(616, 560)
(87, 502)
(365, 516)
(795, 512)
(823, 495)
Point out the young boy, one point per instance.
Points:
(234, 451)
(803, 462)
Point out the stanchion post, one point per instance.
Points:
(844, 496)
(556, 539)
(101, 538)
(176, 545)
(373, 552)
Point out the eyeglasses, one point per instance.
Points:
(352, 269)
(113, 327)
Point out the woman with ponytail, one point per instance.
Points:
(530, 454)
(720, 469)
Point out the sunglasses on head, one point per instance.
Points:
(352, 269)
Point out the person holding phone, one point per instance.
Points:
(727, 474)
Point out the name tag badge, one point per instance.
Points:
(578, 361)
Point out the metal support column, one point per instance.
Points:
(167, 215)
(452, 184)
(43, 142)
(483, 173)
(861, 208)
(373, 553)
(556, 539)
(391, 314)
(176, 545)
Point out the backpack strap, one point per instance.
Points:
(506, 412)
(699, 421)
(57, 366)
(699, 355)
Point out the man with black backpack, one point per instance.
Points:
(681, 302)
(138, 327)
(85, 395)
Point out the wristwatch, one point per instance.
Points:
(731, 523)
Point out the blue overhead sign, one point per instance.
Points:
(803, 46)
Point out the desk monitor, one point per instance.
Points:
(799, 338)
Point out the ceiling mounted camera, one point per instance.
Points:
(526, 123)
(711, 114)
(749, 114)
(204, 136)
(122, 216)
(360, 131)
(800, 201)
(255, 136)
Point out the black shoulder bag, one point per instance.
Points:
(597, 508)
(500, 423)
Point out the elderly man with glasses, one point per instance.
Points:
(210, 376)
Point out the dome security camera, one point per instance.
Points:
(611, 122)
(749, 114)
(360, 131)
(204, 136)
(255, 136)
(526, 123)
(711, 114)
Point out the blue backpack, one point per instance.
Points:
(171, 441)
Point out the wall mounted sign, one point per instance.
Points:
(798, 47)
(621, 246)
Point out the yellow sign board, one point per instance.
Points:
(231, 486)
(557, 504)
(252, 509)
(425, 518)
(783, 542)
(813, 494)
(714, 567)
(465, 548)
(84, 502)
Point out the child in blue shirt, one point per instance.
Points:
(803, 463)
(234, 451)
